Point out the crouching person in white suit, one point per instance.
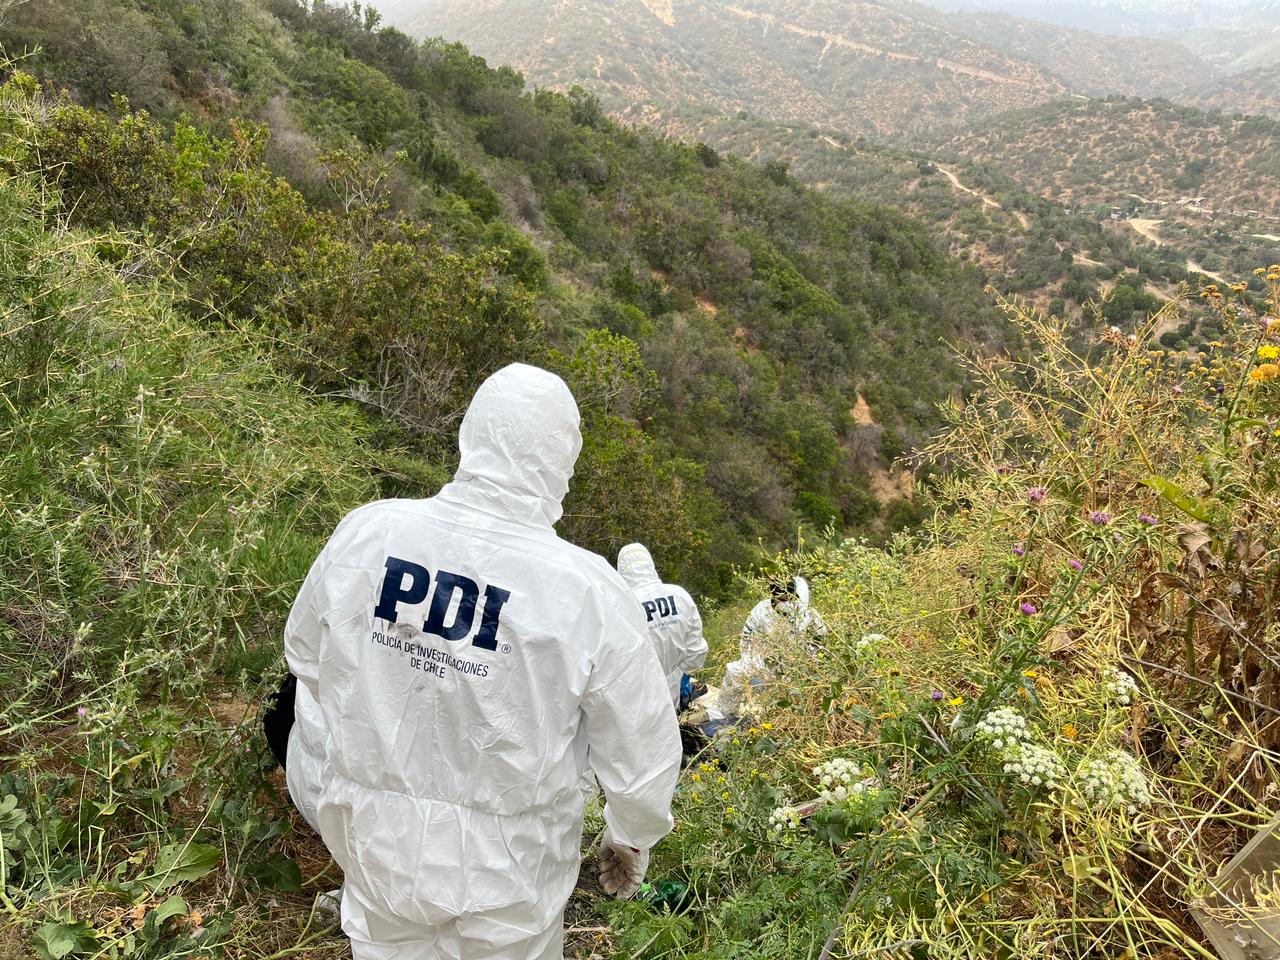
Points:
(464, 658)
(784, 623)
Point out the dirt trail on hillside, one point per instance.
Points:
(1193, 267)
(768, 20)
(1147, 229)
(987, 201)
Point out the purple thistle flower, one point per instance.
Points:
(1037, 494)
(937, 695)
(1028, 608)
(1075, 565)
(1019, 551)
(1003, 469)
(81, 711)
(1146, 518)
(1099, 518)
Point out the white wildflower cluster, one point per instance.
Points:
(869, 644)
(1115, 779)
(844, 780)
(1002, 727)
(1119, 686)
(784, 819)
(1034, 765)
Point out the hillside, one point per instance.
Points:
(719, 321)
(1024, 244)
(1101, 151)
(1134, 17)
(1255, 91)
(1090, 63)
(870, 68)
(888, 68)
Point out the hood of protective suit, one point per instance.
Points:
(799, 607)
(519, 441)
(802, 593)
(635, 563)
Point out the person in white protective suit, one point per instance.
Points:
(675, 626)
(784, 619)
(464, 658)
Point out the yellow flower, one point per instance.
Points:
(1070, 732)
(725, 795)
(1269, 352)
(1260, 271)
(1030, 674)
(753, 732)
(728, 811)
(1264, 373)
(955, 701)
(767, 726)
(696, 778)
(1239, 287)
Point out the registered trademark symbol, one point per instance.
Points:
(506, 648)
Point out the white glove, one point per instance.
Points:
(622, 867)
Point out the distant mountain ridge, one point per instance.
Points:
(891, 69)
(869, 67)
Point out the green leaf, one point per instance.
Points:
(1250, 422)
(179, 862)
(277, 872)
(1191, 506)
(12, 820)
(174, 906)
(54, 941)
(1080, 868)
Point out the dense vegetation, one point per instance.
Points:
(402, 219)
(1122, 146)
(1064, 261)
(165, 486)
(1255, 91)
(1042, 727)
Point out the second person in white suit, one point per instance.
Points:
(675, 626)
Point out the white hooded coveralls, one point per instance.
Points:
(765, 627)
(675, 625)
(305, 762)
(464, 657)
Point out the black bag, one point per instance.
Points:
(277, 718)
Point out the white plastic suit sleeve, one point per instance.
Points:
(304, 630)
(307, 627)
(694, 654)
(634, 742)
